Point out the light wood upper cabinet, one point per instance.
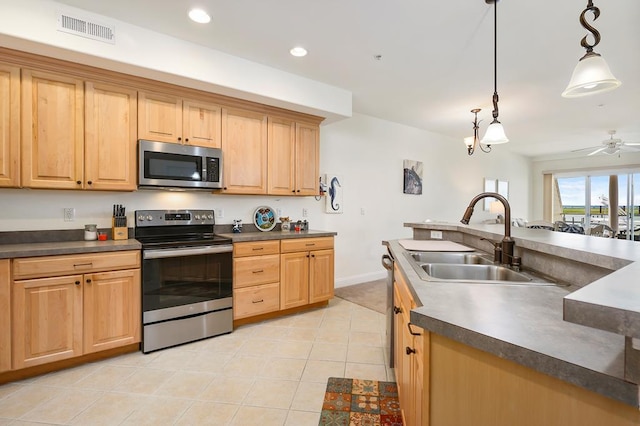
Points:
(110, 137)
(9, 126)
(111, 309)
(307, 159)
(168, 118)
(5, 315)
(282, 161)
(52, 130)
(244, 152)
(293, 158)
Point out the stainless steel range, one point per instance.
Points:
(186, 277)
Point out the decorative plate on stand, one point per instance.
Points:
(264, 218)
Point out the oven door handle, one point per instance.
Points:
(186, 251)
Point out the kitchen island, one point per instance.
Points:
(501, 353)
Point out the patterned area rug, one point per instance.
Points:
(355, 402)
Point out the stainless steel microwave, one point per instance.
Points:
(170, 165)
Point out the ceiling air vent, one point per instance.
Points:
(86, 28)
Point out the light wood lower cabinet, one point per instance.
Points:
(65, 316)
(256, 278)
(409, 355)
(277, 275)
(5, 315)
(306, 271)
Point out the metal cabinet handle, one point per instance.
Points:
(88, 280)
(258, 301)
(258, 272)
(411, 331)
(410, 350)
(77, 282)
(396, 310)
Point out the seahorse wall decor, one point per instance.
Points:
(334, 200)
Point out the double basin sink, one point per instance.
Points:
(468, 267)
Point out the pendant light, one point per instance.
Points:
(495, 132)
(592, 74)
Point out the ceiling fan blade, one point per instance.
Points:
(632, 143)
(597, 151)
(584, 149)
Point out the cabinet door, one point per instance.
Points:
(244, 147)
(281, 175)
(202, 124)
(111, 309)
(294, 279)
(110, 137)
(52, 131)
(9, 126)
(159, 117)
(46, 320)
(5, 316)
(307, 159)
(321, 275)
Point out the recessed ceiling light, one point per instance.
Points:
(298, 51)
(199, 16)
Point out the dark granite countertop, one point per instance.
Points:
(523, 324)
(65, 247)
(275, 235)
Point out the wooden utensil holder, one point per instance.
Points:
(119, 233)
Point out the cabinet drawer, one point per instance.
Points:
(51, 266)
(255, 270)
(256, 248)
(256, 300)
(306, 244)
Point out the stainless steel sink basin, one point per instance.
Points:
(450, 257)
(469, 267)
(470, 272)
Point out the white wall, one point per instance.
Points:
(366, 151)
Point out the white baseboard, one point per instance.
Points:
(362, 278)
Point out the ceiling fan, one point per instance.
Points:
(611, 146)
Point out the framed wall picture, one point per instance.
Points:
(333, 200)
(412, 177)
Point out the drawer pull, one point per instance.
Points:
(310, 244)
(410, 350)
(396, 310)
(258, 271)
(258, 248)
(258, 301)
(411, 331)
(83, 265)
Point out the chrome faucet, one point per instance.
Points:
(503, 250)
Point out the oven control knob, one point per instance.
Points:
(141, 218)
(197, 217)
(149, 217)
(210, 216)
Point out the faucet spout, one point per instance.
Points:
(507, 241)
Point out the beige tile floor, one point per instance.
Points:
(270, 373)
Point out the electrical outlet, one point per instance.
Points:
(69, 214)
(362, 211)
(305, 212)
(279, 212)
(219, 213)
(436, 235)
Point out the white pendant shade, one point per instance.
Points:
(468, 141)
(591, 75)
(495, 134)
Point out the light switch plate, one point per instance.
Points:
(436, 235)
